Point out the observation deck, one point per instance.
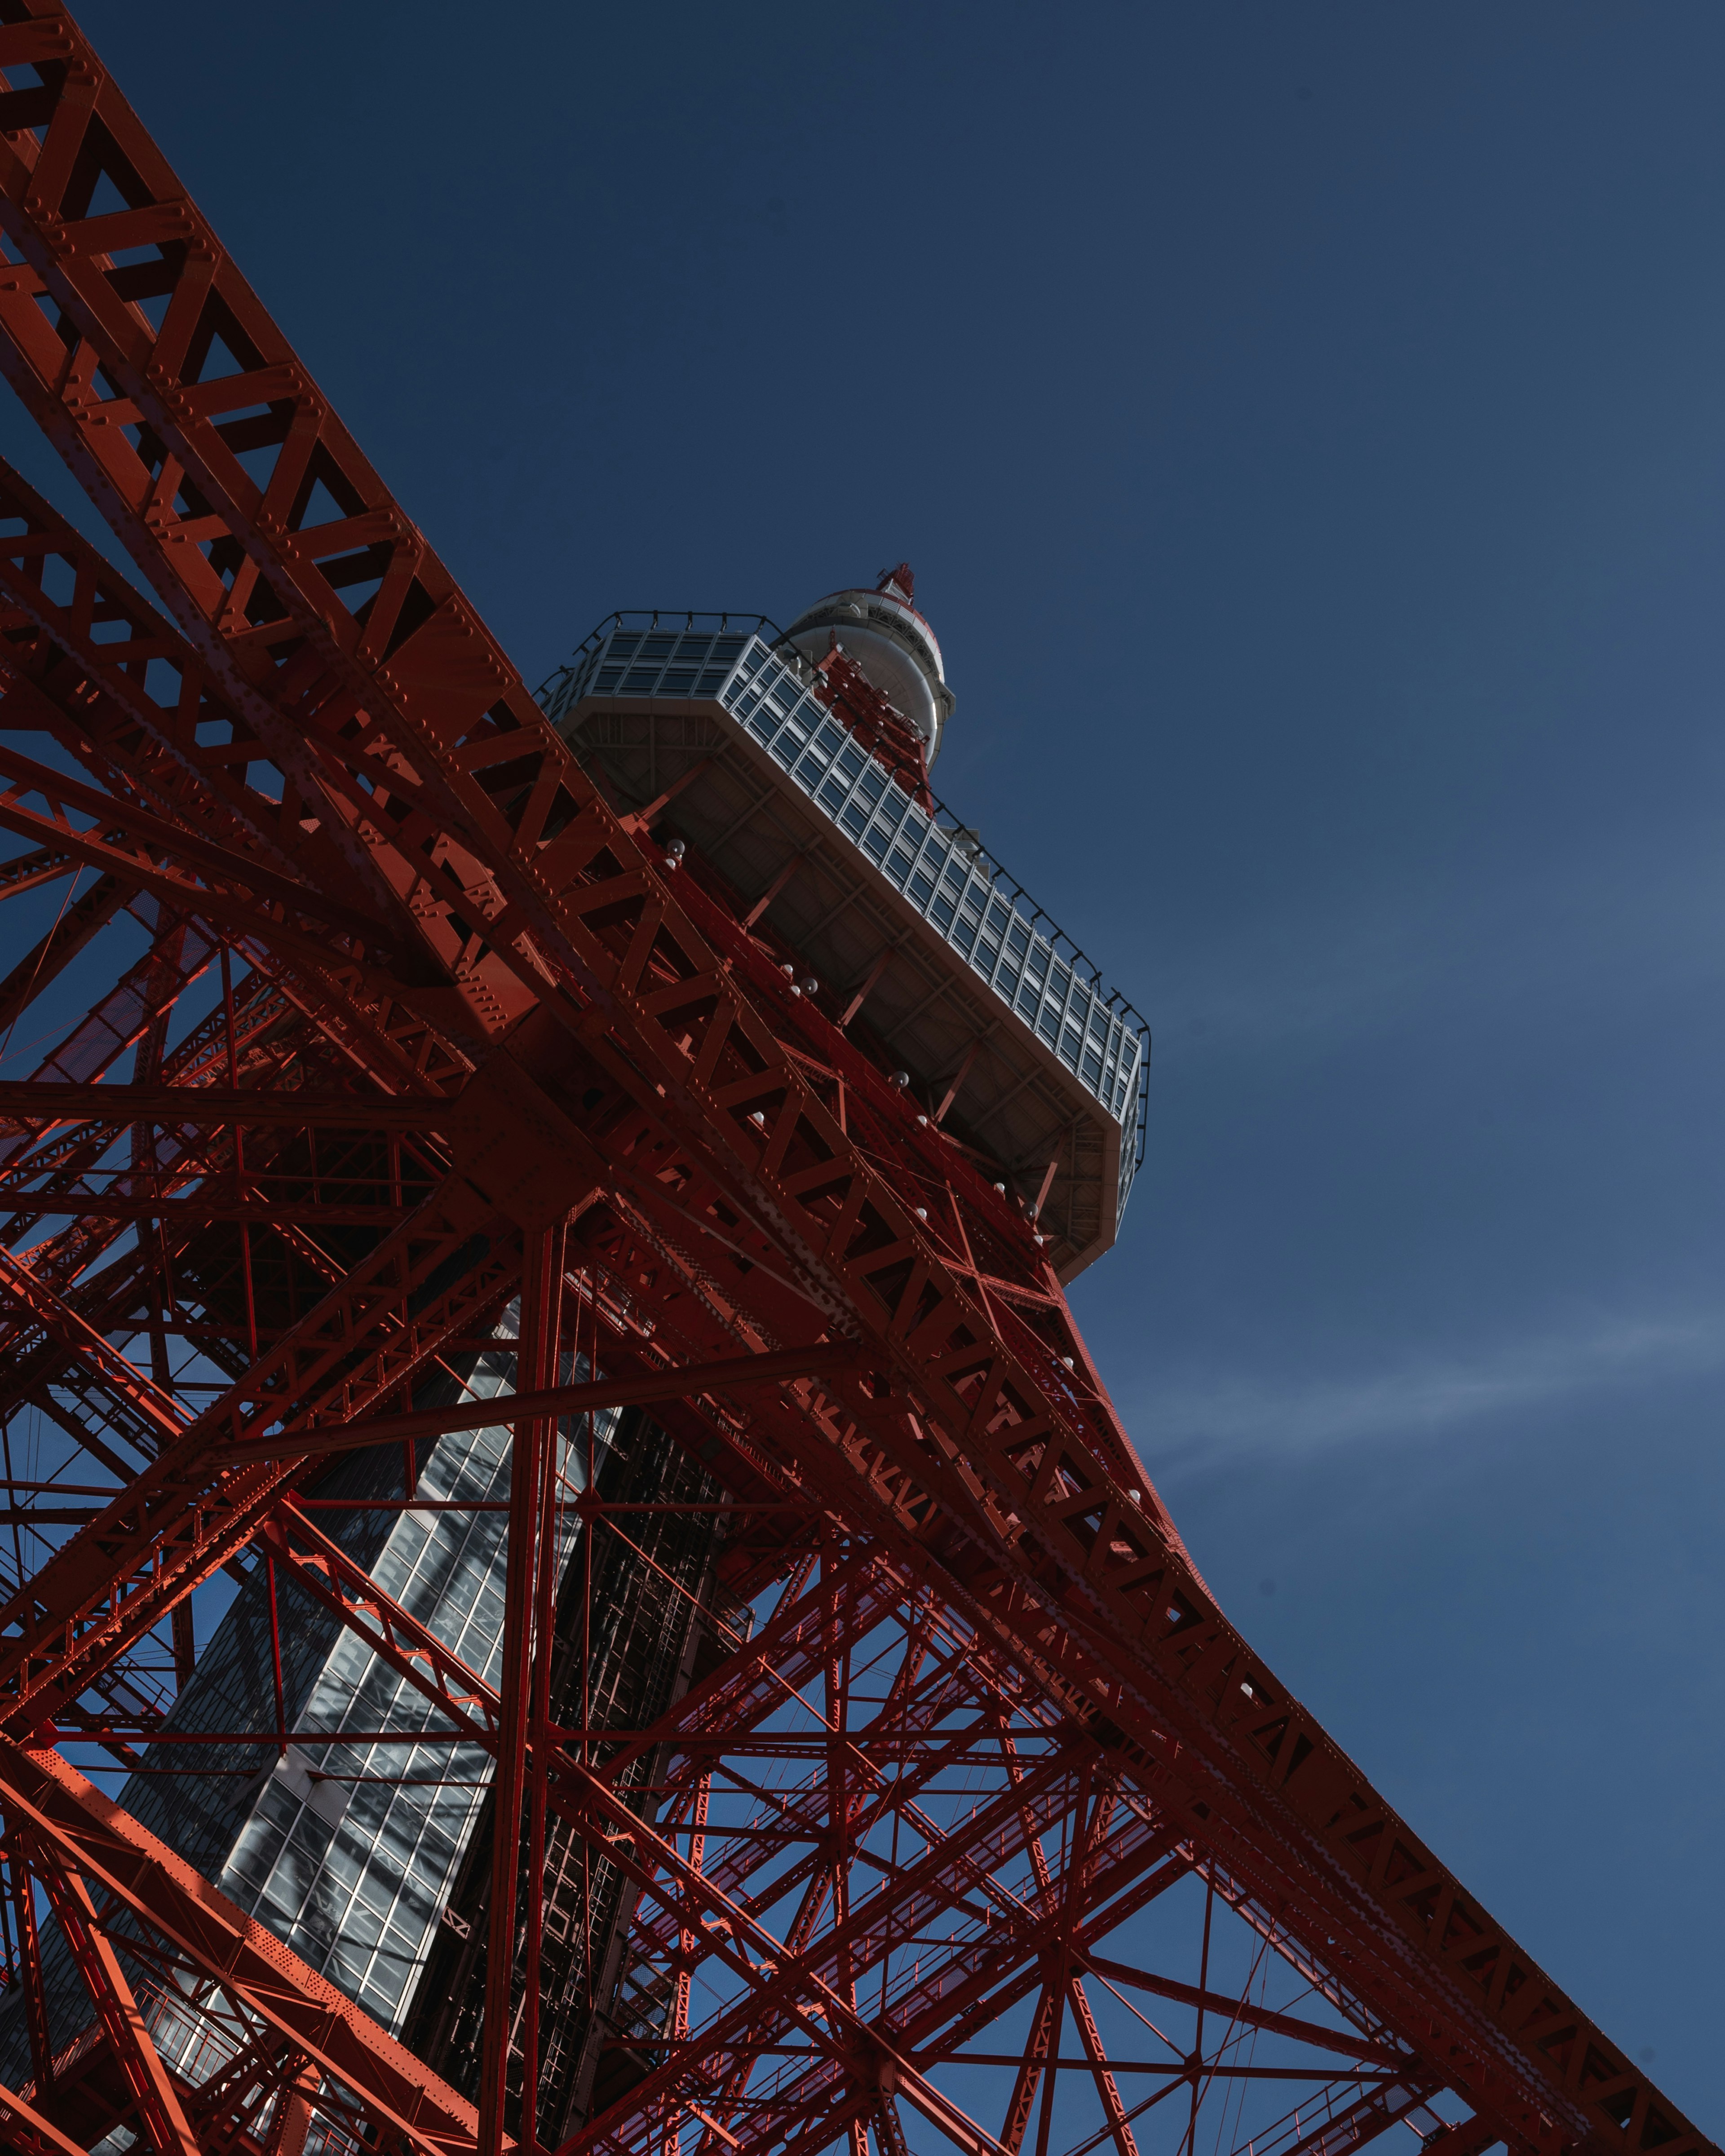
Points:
(917, 935)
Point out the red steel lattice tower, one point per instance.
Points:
(961, 1815)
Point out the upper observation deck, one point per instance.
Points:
(803, 786)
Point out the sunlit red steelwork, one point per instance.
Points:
(968, 1819)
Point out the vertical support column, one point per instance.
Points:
(541, 1269)
(245, 1232)
(122, 2023)
(839, 1802)
(293, 2112)
(549, 1349)
(30, 1955)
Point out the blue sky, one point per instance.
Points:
(1307, 425)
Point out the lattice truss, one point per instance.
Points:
(968, 1821)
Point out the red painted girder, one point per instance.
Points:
(180, 952)
(154, 765)
(69, 1254)
(87, 1833)
(786, 1452)
(184, 1514)
(973, 1866)
(1243, 2010)
(30, 871)
(676, 1382)
(776, 2008)
(106, 678)
(158, 2103)
(416, 1654)
(240, 894)
(527, 732)
(28, 2132)
(55, 1316)
(790, 1453)
(321, 826)
(440, 682)
(55, 1174)
(47, 1104)
(41, 965)
(197, 1209)
(386, 1041)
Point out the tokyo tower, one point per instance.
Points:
(558, 1207)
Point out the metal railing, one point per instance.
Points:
(706, 656)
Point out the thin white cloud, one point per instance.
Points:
(1196, 1426)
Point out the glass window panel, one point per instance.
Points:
(276, 1804)
(437, 1851)
(257, 1850)
(345, 1861)
(347, 1964)
(312, 1833)
(415, 1901)
(292, 1880)
(380, 1883)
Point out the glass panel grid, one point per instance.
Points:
(354, 1875)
